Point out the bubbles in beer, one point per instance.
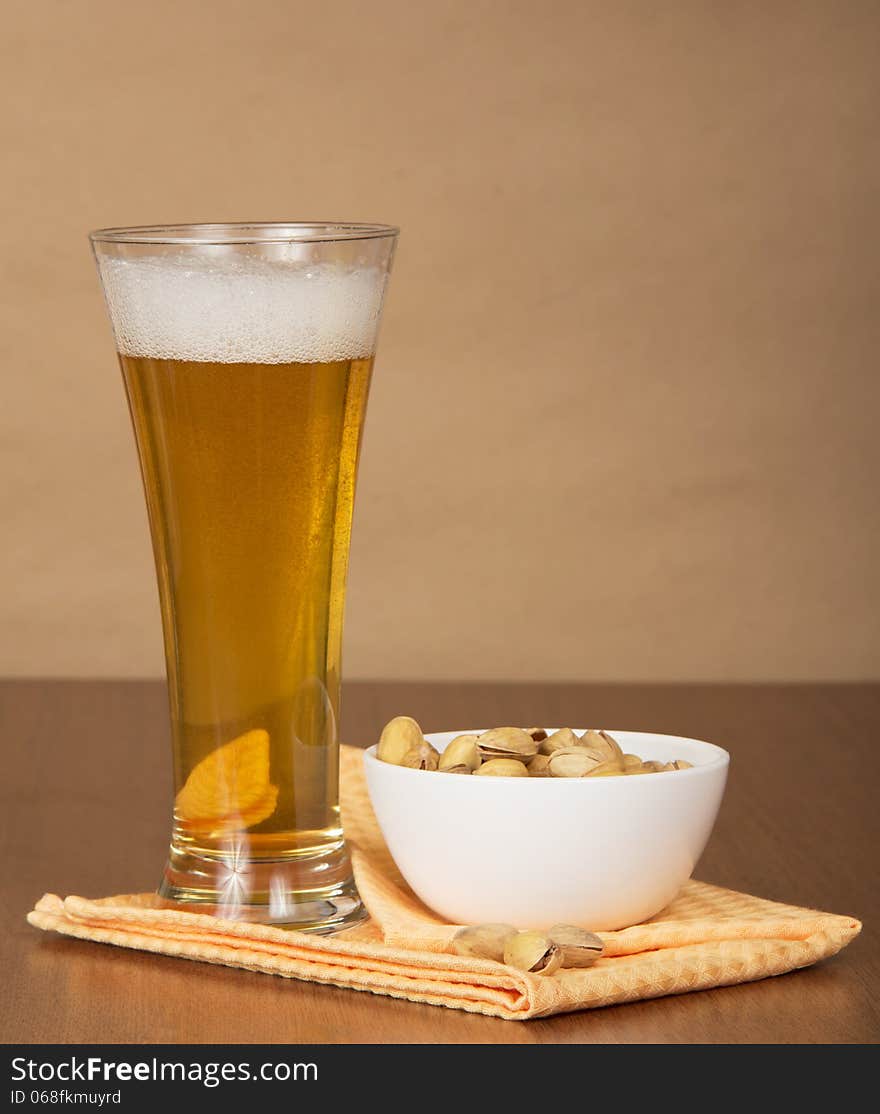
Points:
(242, 311)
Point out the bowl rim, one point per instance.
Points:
(719, 759)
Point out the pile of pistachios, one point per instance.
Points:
(539, 953)
(516, 752)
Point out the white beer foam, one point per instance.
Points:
(241, 311)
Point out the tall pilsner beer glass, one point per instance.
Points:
(246, 352)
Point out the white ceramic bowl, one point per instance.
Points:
(603, 853)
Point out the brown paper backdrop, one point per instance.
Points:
(623, 419)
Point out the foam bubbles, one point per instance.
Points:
(241, 310)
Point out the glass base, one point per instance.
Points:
(310, 894)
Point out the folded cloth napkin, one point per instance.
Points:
(707, 937)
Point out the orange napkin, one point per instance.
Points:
(707, 937)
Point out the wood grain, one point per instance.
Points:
(84, 792)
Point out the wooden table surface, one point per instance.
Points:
(85, 791)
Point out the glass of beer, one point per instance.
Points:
(246, 353)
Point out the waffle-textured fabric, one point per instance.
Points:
(706, 937)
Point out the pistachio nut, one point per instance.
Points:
(604, 744)
(501, 767)
(606, 769)
(613, 745)
(571, 762)
(680, 764)
(421, 757)
(651, 766)
(563, 738)
(485, 941)
(539, 766)
(462, 751)
(631, 761)
(537, 733)
(530, 951)
(398, 737)
(507, 742)
(579, 947)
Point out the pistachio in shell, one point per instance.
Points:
(533, 952)
(539, 766)
(681, 764)
(571, 762)
(579, 947)
(537, 733)
(631, 761)
(462, 751)
(485, 941)
(398, 737)
(606, 769)
(457, 770)
(507, 742)
(604, 744)
(612, 744)
(652, 767)
(501, 767)
(421, 757)
(563, 738)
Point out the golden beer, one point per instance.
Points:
(247, 385)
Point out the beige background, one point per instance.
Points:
(623, 424)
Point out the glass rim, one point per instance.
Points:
(244, 232)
